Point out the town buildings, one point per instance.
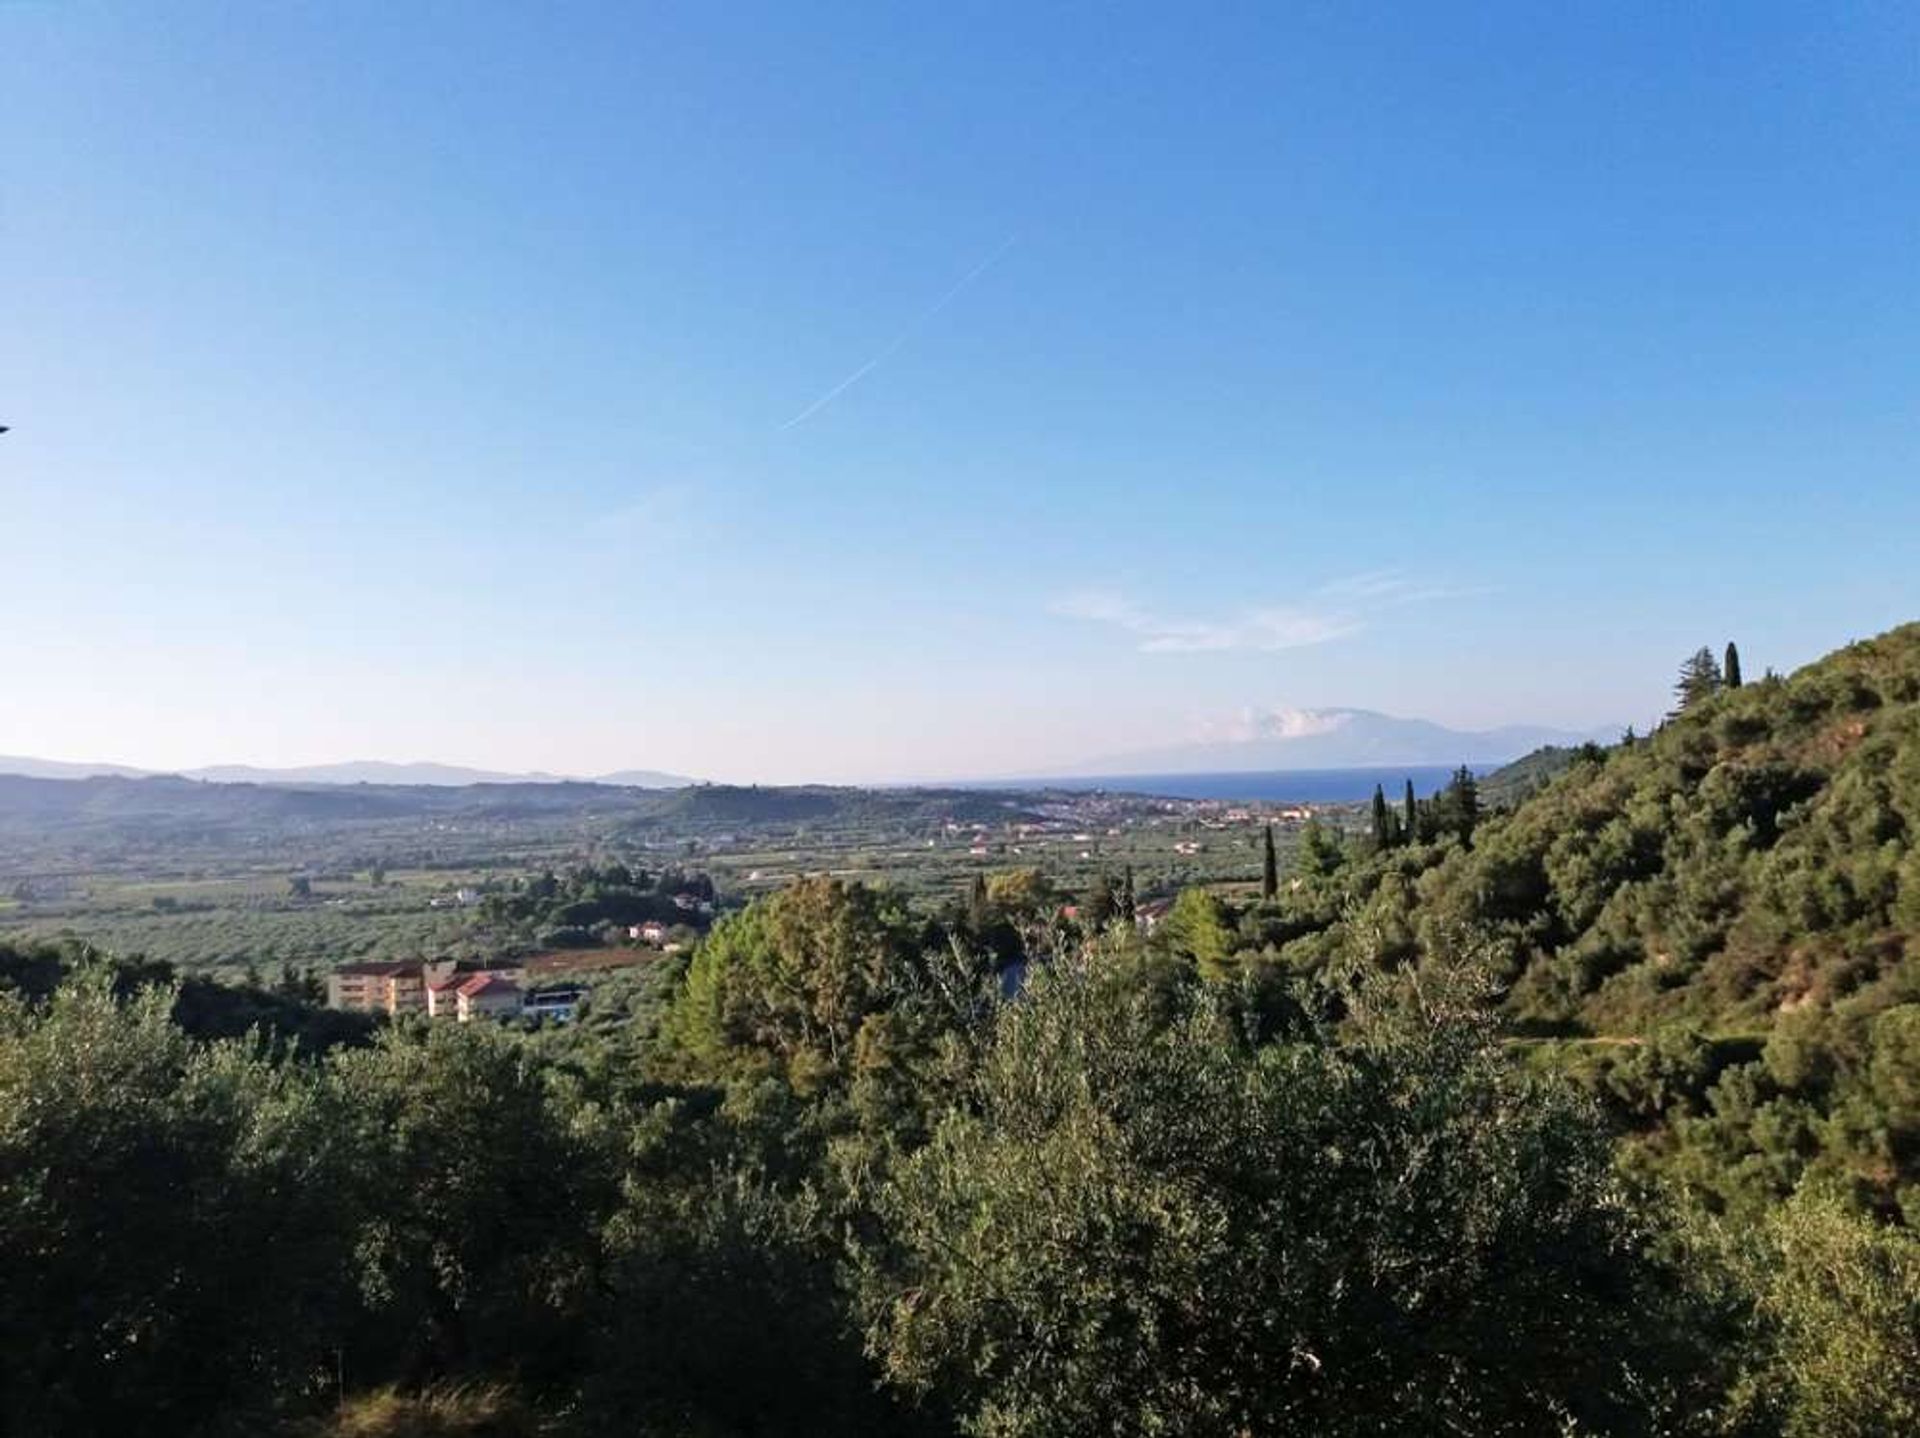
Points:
(444, 989)
(398, 987)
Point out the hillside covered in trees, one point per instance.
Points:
(1598, 1114)
(1714, 925)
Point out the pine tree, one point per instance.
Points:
(1700, 678)
(1269, 869)
(1382, 830)
(1730, 671)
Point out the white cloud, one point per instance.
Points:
(1299, 723)
(1387, 588)
(1279, 723)
(1276, 627)
(1334, 611)
(1373, 584)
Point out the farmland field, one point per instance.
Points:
(268, 880)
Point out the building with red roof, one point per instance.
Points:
(486, 996)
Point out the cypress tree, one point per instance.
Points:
(1269, 869)
(1412, 814)
(1101, 902)
(978, 906)
(1382, 832)
(1730, 671)
(1128, 909)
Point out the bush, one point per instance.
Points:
(441, 1411)
(1138, 1224)
(1831, 1303)
(171, 1241)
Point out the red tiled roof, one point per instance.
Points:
(488, 984)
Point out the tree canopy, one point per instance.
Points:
(1595, 1113)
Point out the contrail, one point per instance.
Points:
(913, 326)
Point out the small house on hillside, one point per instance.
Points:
(1149, 915)
(486, 996)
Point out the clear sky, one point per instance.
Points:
(796, 391)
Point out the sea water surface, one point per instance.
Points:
(1276, 786)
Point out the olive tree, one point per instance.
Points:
(1141, 1223)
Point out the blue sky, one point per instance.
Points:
(799, 392)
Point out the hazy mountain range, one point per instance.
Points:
(1257, 741)
(358, 771)
(1337, 739)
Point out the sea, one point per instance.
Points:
(1276, 786)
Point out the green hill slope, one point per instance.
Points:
(1753, 858)
(1715, 924)
(1526, 776)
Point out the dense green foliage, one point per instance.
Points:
(588, 904)
(1508, 785)
(1134, 1196)
(1597, 1115)
(165, 1246)
(1712, 926)
(1140, 1222)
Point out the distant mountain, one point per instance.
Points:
(162, 803)
(358, 771)
(1340, 739)
(364, 771)
(644, 779)
(56, 769)
(168, 809)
